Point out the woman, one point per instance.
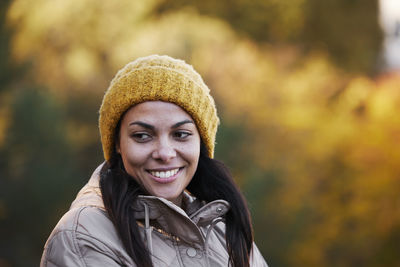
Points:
(160, 199)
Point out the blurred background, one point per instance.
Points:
(307, 90)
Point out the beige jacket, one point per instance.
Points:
(85, 236)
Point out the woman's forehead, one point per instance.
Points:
(156, 112)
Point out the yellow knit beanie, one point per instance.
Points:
(158, 78)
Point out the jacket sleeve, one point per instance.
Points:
(256, 259)
(65, 248)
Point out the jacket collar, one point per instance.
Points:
(172, 219)
(176, 221)
(90, 194)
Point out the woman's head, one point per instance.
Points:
(154, 115)
(158, 78)
(159, 146)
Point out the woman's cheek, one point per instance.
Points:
(137, 155)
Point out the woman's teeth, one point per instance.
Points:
(166, 174)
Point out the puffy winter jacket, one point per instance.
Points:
(85, 236)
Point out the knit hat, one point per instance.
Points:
(158, 78)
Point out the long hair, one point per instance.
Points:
(120, 190)
(214, 174)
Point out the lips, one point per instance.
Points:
(164, 176)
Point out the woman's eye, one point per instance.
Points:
(182, 134)
(141, 137)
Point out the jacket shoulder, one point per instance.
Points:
(84, 236)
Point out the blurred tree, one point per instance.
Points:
(272, 21)
(333, 142)
(38, 175)
(347, 30)
(7, 68)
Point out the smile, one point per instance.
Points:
(164, 174)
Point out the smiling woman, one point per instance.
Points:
(160, 147)
(160, 199)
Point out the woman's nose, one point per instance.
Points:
(164, 151)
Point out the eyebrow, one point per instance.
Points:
(143, 124)
(151, 127)
(176, 125)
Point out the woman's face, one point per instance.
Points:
(160, 147)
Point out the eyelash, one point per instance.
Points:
(180, 135)
(185, 133)
(139, 137)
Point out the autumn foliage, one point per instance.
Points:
(309, 122)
